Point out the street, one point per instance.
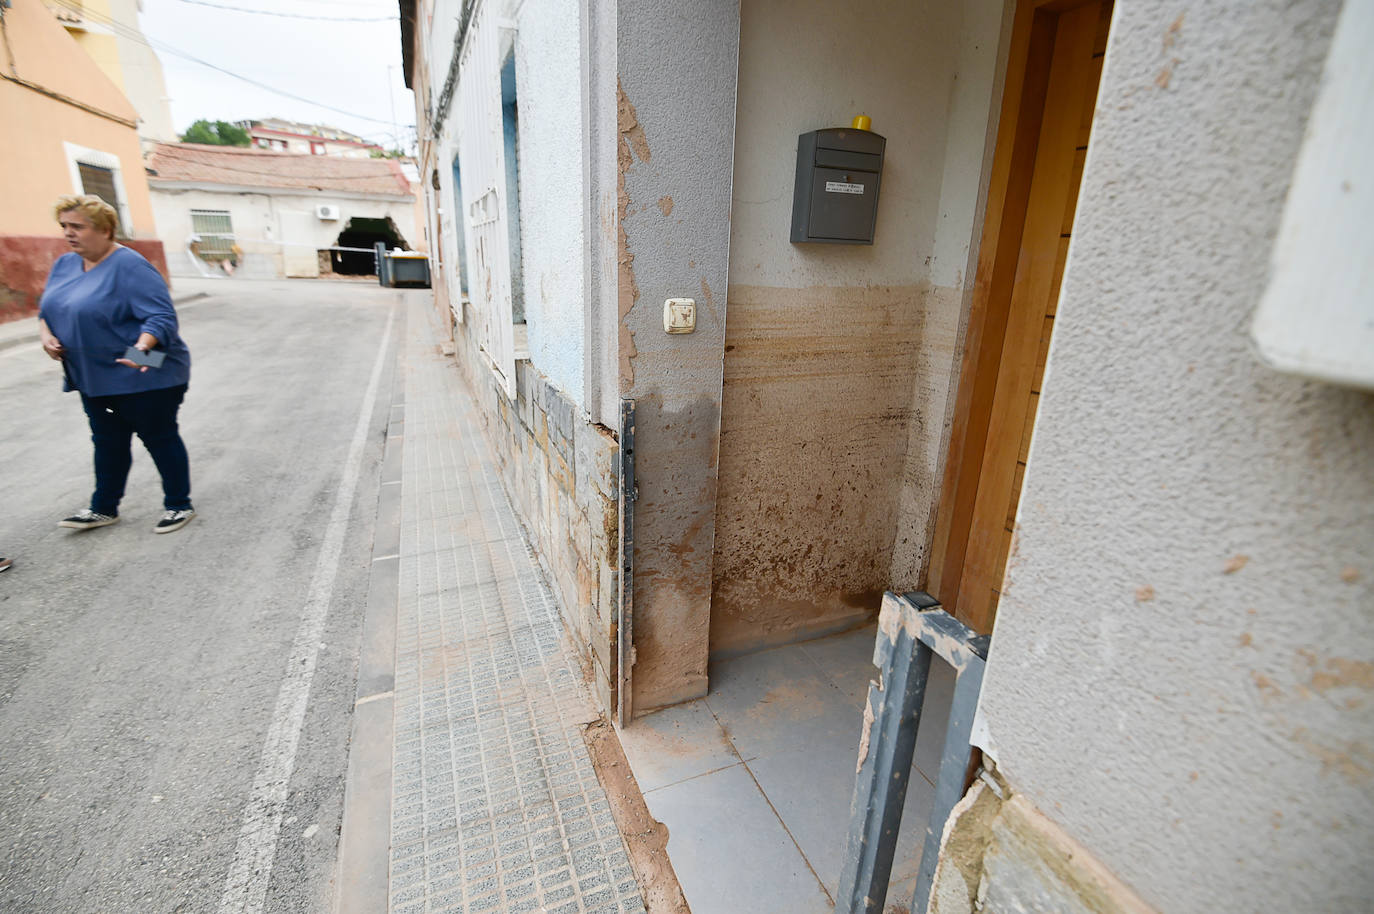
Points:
(175, 710)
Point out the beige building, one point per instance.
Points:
(1034, 395)
(79, 135)
(109, 31)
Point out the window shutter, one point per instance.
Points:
(481, 149)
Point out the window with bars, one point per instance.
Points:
(100, 182)
(482, 151)
(216, 231)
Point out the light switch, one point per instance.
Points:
(679, 315)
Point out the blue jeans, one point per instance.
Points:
(152, 415)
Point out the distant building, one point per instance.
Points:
(279, 135)
(275, 214)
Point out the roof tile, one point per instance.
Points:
(237, 166)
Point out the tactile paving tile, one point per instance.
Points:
(496, 807)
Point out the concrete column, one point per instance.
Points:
(676, 67)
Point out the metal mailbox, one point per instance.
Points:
(835, 200)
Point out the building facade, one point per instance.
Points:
(80, 136)
(109, 32)
(1034, 395)
(276, 215)
(277, 135)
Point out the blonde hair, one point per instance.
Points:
(101, 214)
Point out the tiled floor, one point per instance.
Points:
(754, 781)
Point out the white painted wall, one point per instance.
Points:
(142, 71)
(552, 192)
(1181, 667)
(258, 225)
(812, 64)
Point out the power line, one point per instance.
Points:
(239, 9)
(137, 36)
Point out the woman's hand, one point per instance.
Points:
(145, 342)
(51, 344)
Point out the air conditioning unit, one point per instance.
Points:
(327, 211)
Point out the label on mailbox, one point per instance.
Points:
(840, 187)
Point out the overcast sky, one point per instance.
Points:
(354, 67)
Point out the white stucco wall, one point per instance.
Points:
(552, 192)
(1181, 667)
(257, 222)
(918, 70)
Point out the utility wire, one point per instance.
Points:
(239, 9)
(137, 36)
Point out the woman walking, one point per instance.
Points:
(102, 300)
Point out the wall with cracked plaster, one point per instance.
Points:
(839, 359)
(1182, 669)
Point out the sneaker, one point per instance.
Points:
(5, 564)
(86, 519)
(174, 520)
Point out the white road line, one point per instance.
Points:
(246, 886)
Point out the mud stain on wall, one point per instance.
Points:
(932, 400)
(676, 447)
(817, 404)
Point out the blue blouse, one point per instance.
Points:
(97, 314)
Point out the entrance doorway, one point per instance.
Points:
(1051, 91)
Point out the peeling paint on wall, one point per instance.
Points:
(1000, 853)
(26, 259)
(631, 138)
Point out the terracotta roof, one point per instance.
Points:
(236, 166)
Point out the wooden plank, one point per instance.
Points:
(1104, 23)
(1085, 125)
(1061, 258)
(1051, 186)
(1031, 410)
(1017, 480)
(1080, 156)
(1023, 97)
(1043, 355)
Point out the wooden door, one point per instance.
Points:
(1051, 91)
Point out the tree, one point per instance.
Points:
(217, 133)
(388, 154)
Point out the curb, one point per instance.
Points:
(362, 877)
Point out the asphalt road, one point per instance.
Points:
(144, 679)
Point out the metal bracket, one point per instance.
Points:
(911, 628)
(629, 492)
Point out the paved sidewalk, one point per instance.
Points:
(495, 804)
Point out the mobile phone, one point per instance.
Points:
(153, 358)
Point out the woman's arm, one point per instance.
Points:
(151, 302)
(51, 344)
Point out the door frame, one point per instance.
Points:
(1030, 52)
